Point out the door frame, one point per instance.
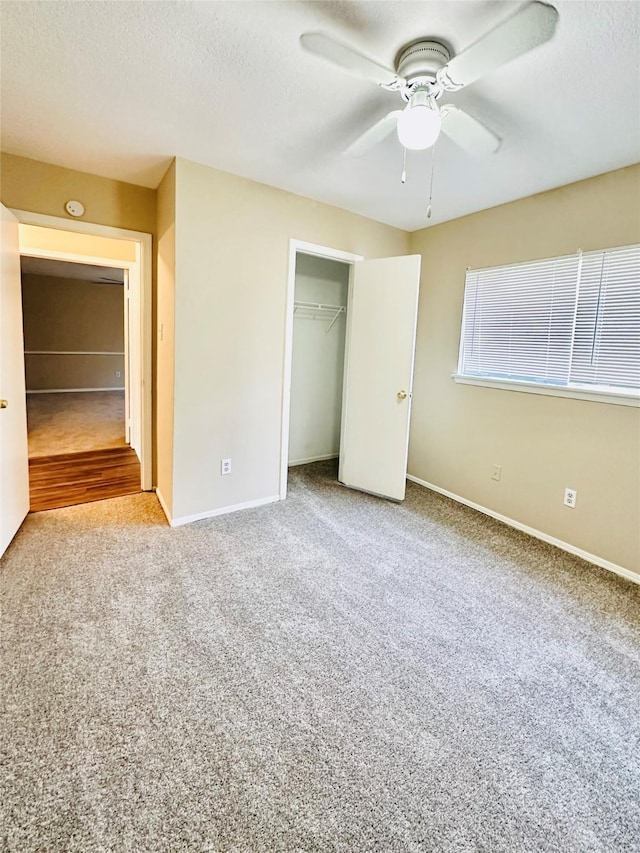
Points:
(142, 282)
(127, 371)
(304, 248)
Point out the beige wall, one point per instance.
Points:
(543, 443)
(73, 372)
(166, 340)
(232, 246)
(44, 188)
(69, 315)
(225, 243)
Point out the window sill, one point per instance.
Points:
(600, 396)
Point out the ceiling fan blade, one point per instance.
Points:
(467, 132)
(348, 58)
(531, 26)
(375, 134)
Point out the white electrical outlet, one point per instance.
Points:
(225, 466)
(118, 374)
(570, 496)
(496, 472)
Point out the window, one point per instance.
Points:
(569, 323)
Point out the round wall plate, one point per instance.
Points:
(74, 208)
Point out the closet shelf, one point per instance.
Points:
(315, 308)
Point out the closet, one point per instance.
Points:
(349, 350)
(319, 322)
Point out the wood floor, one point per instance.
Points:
(77, 478)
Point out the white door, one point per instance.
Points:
(378, 378)
(14, 458)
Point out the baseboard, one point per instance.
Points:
(292, 464)
(538, 534)
(199, 516)
(72, 390)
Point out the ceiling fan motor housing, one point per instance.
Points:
(421, 61)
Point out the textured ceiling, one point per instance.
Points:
(67, 269)
(119, 88)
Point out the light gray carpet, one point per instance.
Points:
(75, 422)
(333, 673)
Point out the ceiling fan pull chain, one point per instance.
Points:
(403, 177)
(433, 163)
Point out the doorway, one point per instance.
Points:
(372, 415)
(74, 347)
(86, 307)
(77, 382)
(317, 368)
(317, 305)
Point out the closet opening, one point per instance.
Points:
(318, 304)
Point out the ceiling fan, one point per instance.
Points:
(425, 70)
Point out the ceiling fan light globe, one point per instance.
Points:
(419, 126)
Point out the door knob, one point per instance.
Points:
(4, 404)
(402, 395)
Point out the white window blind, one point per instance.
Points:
(572, 321)
(607, 337)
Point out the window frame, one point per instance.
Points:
(594, 393)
